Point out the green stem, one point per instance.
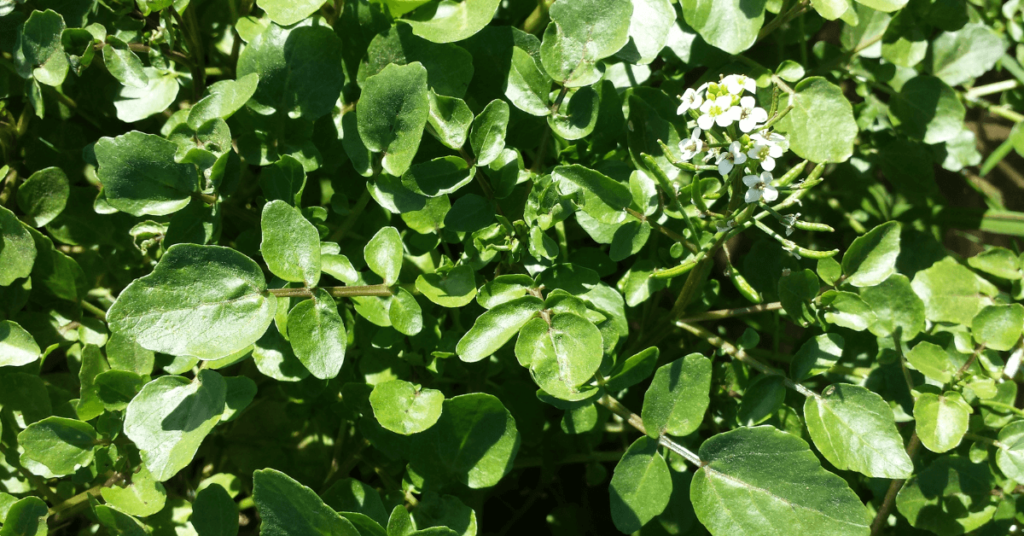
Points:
(246, 503)
(730, 313)
(742, 356)
(991, 89)
(563, 244)
(894, 488)
(337, 292)
(783, 18)
(903, 360)
(538, 19)
(1001, 405)
(636, 422)
(986, 440)
(99, 313)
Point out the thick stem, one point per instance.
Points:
(991, 89)
(903, 359)
(635, 421)
(894, 488)
(337, 292)
(8, 188)
(1002, 406)
(783, 18)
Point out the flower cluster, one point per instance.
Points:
(723, 105)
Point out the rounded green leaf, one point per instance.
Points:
(941, 420)
(18, 251)
(144, 496)
(1010, 458)
(458, 21)
(449, 67)
(600, 196)
(952, 292)
(581, 33)
(288, 508)
(62, 445)
(487, 137)
(123, 64)
(404, 408)
(640, 487)
(474, 442)
(577, 116)
(224, 99)
(405, 312)
(871, 258)
(997, 261)
(949, 497)
(886, 6)
(116, 388)
(171, 416)
(762, 398)
(760, 479)
(439, 176)
(649, 28)
(821, 126)
(26, 517)
(528, 86)
(299, 68)
(678, 397)
(288, 12)
(967, 53)
(291, 245)
(927, 109)
(393, 111)
(140, 177)
(450, 288)
(317, 334)
(383, 254)
(43, 196)
(450, 118)
(495, 327)
(731, 26)
(817, 355)
(896, 306)
(137, 103)
(203, 301)
(38, 51)
(931, 360)
(854, 429)
(214, 513)
(998, 326)
(17, 347)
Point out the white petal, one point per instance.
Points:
(752, 195)
(775, 151)
(724, 167)
(724, 120)
(751, 180)
(705, 121)
(748, 102)
(747, 124)
(683, 108)
(768, 163)
(770, 193)
(766, 177)
(705, 107)
(739, 158)
(759, 115)
(750, 85)
(695, 135)
(755, 151)
(724, 102)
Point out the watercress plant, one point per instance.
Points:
(456, 267)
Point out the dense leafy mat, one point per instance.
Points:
(479, 266)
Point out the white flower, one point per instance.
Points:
(691, 101)
(766, 154)
(788, 221)
(772, 139)
(730, 158)
(750, 114)
(712, 154)
(736, 83)
(760, 187)
(719, 111)
(691, 146)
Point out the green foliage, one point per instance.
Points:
(423, 267)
